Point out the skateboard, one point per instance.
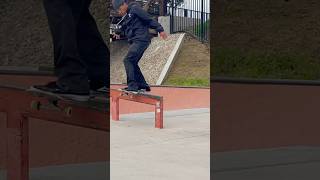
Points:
(131, 93)
(53, 100)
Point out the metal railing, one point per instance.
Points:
(191, 16)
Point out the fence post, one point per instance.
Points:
(202, 21)
(163, 7)
(172, 16)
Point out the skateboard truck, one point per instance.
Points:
(51, 105)
(131, 93)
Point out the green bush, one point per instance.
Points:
(198, 31)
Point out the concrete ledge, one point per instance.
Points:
(27, 70)
(263, 158)
(3, 174)
(171, 59)
(288, 163)
(96, 171)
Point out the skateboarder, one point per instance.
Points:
(136, 26)
(81, 57)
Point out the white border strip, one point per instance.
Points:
(170, 60)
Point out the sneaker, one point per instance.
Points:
(124, 89)
(130, 89)
(99, 92)
(145, 88)
(96, 85)
(103, 89)
(52, 87)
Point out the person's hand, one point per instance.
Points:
(116, 36)
(163, 35)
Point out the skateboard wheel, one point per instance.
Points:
(68, 111)
(35, 105)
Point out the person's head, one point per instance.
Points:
(121, 6)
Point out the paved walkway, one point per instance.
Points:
(180, 151)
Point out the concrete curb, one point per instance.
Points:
(171, 60)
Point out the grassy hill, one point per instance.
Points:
(266, 39)
(191, 68)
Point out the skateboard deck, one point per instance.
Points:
(96, 100)
(133, 92)
(54, 96)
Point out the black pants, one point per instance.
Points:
(80, 53)
(135, 78)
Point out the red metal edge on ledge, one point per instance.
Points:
(15, 103)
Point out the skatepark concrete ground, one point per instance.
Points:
(179, 151)
(140, 152)
(287, 163)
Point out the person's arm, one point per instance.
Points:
(144, 16)
(120, 26)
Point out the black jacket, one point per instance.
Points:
(137, 23)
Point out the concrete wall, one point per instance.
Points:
(254, 116)
(165, 22)
(180, 23)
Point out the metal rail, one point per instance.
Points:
(157, 101)
(16, 103)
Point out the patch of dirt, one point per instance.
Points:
(25, 39)
(193, 61)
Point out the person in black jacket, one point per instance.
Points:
(136, 24)
(81, 57)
